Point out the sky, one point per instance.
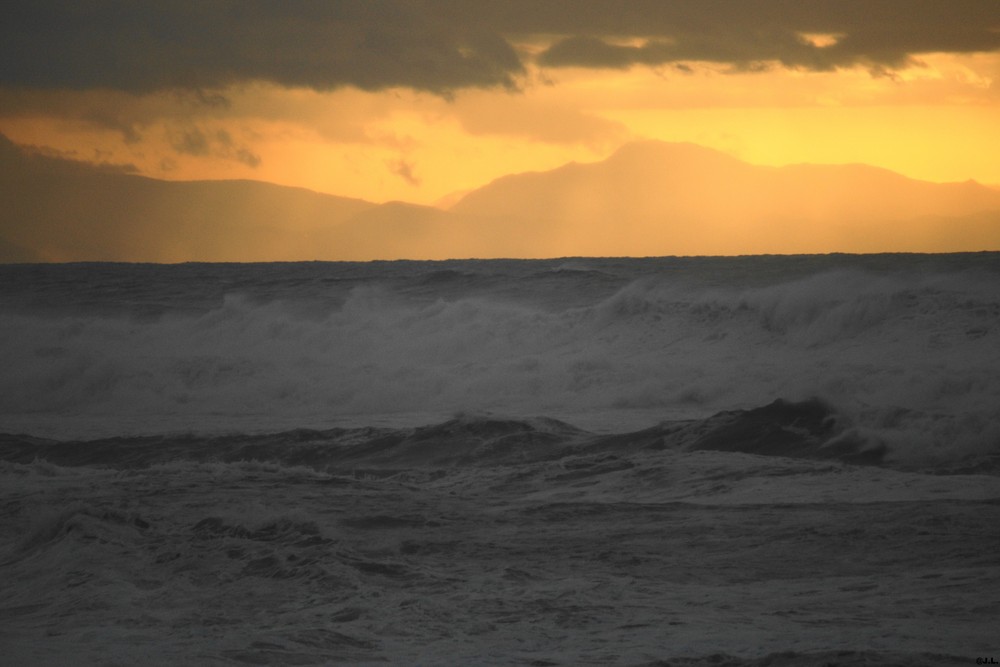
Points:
(422, 100)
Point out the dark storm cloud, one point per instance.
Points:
(145, 46)
(444, 45)
(741, 52)
(876, 33)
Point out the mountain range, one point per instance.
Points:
(648, 198)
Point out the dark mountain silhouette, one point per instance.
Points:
(661, 198)
(60, 210)
(649, 198)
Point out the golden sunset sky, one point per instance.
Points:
(421, 101)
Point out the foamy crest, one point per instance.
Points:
(912, 358)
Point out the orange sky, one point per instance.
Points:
(935, 122)
(421, 101)
(543, 96)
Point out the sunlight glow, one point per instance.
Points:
(936, 122)
(820, 40)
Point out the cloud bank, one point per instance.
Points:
(445, 45)
(142, 47)
(815, 36)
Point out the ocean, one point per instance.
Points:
(637, 461)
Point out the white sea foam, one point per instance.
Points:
(912, 356)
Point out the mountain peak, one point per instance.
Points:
(680, 198)
(656, 149)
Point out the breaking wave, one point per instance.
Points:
(910, 354)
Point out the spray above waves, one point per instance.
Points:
(909, 353)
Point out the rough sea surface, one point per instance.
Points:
(662, 461)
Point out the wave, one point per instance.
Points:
(87, 522)
(911, 355)
(471, 538)
(805, 430)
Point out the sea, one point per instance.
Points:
(781, 460)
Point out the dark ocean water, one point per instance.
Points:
(906, 348)
(558, 462)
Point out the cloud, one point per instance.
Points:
(748, 35)
(148, 46)
(190, 142)
(595, 52)
(71, 159)
(127, 114)
(743, 53)
(230, 150)
(446, 45)
(405, 169)
(194, 141)
(247, 157)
